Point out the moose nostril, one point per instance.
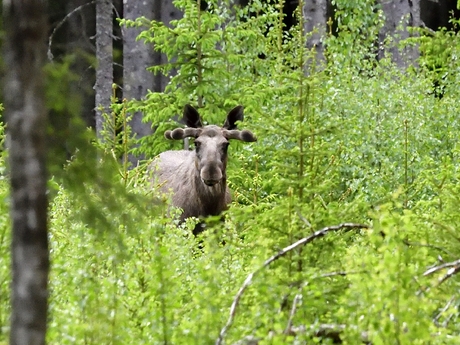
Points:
(210, 182)
(211, 175)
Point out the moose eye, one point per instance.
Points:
(197, 145)
(225, 146)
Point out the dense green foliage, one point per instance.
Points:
(350, 140)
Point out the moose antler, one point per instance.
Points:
(243, 135)
(181, 133)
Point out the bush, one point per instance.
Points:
(353, 141)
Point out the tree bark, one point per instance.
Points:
(25, 112)
(168, 12)
(137, 57)
(314, 25)
(104, 56)
(81, 26)
(399, 15)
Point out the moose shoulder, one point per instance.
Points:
(197, 179)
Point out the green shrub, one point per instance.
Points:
(354, 140)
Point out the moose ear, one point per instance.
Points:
(192, 117)
(236, 114)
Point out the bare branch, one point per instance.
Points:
(454, 267)
(303, 219)
(454, 264)
(449, 274)
(281, 253)
(443, 310)
(339, 273)
(296, 301)
(50, 40)
(428, 30)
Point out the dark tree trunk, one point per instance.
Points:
(81, 27)
(137, 57)
(168, 12)
(104, 56)
(25, 53)
(314, 25)
(437, 14)
(399, 12)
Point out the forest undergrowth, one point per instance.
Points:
(343, 225)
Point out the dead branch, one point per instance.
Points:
(340, 273)
(296, 301)
(50, 40)
(443, 310)
(303, 219)
(449, 274)
(281, 253)
(454, 264)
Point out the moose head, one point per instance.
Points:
(211, 142)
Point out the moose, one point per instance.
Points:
(197, 179)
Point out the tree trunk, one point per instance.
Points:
(137, 57)
(314, 25)
(25, 53)
(104, 71)
(399, 15)
(81, 26)
(168, 12)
